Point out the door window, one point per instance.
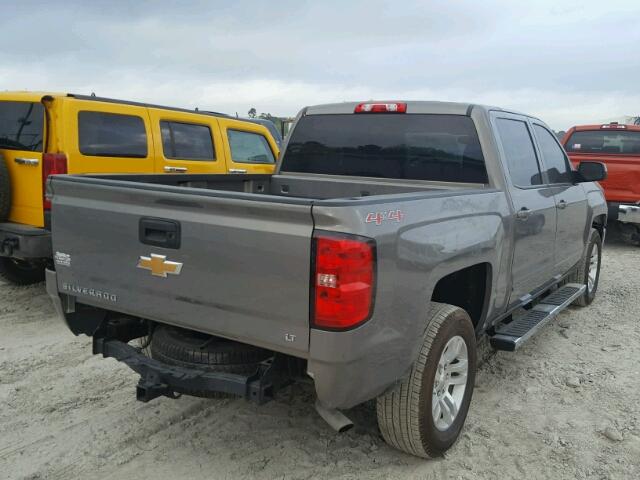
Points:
(554, 158)
(186, 141)
(21, 126)
(248, 147)
(111, 135)
(521, 156)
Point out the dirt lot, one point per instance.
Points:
(564, 406)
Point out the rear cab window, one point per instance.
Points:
(436, 147)
(608, 142)
(103, 134)
(21, 126)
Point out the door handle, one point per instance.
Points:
(32, 162)
(237, 170)
(523, 213)
(562, 205)
(159, 232)
(175, 169)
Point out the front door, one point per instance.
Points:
(570, 200)
(249, 147)
(534, 216)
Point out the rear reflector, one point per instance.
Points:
(343, 280)
(381, 108)
(52, 164)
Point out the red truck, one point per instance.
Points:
(618, 147)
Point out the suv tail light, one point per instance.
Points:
(381, 108)
(52, 164)
(343, 283)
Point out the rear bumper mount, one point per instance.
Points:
(24, 241)
(629, 213)
(159, 379)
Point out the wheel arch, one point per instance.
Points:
(468, 288)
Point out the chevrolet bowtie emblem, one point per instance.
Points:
(159, 265)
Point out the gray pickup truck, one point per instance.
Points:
(393, 237)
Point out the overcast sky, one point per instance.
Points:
(565, 61)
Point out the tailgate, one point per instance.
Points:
(241, 269)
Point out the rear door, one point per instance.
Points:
(570, 200)
(107, 137)
(534, 217)
(187, 142)
(21, 144)
(249, 147)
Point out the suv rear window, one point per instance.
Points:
(21, 125)
(111, 135)
(604, 141)
(411, 146)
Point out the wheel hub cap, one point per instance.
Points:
(450, 383)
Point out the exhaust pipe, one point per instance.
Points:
(336, 419)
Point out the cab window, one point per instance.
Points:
(521, 156)
(111, 135)
(553, 157)
(21, 126)
(248, 147)
(186, 141)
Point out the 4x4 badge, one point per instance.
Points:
(159, 265)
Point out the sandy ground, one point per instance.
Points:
(564, 406)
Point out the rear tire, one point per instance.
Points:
(21, 272)
(5, 190)
(189, 349)
(417, 415)
(589, 266)
(630, 233)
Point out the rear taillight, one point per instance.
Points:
(52, 164)
(381, 108)
(343, 282)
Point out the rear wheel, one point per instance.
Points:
(630, 233)
(424, 413)
(5, 190)
(588, 271)
(189, 349)
(21, 272)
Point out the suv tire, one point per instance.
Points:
(21, 272)
(5, 190)
(407, 416)
(588, 271)
(189, 349)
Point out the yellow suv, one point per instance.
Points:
(42, 134)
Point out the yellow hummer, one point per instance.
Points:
(43, 134)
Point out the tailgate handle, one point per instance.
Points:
(159, 232)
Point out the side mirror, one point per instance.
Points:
(591, 172)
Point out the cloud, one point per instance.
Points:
(568, 62)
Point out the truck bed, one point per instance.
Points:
(244, 246)
(285, 186)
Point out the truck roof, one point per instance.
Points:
(413, 106)
(600, 126)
